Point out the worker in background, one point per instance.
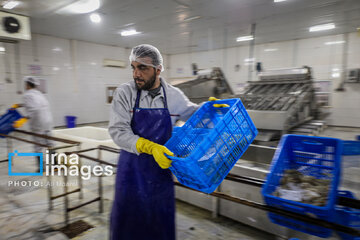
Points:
(142, 114)
(38, 112)
(259, 68)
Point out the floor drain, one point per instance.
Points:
(75, 228)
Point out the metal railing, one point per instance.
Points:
(98, 160)
(51, 149)
(231, 177)
(240, 179)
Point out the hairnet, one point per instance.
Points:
(148, 55)
(32, 80)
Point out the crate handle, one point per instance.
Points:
(224, 103)
(294, 208)
(313, 143)
(170, 157)
(173, 158)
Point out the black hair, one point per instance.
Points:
(31, 85)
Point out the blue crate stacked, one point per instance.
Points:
(318, 157)
(347, 216)
(351, 148)
(7, 120)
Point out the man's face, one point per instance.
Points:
(144, 76)
(27, 86)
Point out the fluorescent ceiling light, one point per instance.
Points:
(2, 49)
(10, 4)
(95, 18)
(82, 6)
(322, 27)
(276, 1)
(335, 42)
(191, 18)
(57, 49)
(270, 49)
(245, 38)
(129, 33)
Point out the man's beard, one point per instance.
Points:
(148, 85)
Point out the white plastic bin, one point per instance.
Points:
(90, 137)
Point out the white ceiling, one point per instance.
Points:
(161, 21)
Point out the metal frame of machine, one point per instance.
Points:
(209, 82)
(280, 100)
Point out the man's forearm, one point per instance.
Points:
(125, 139)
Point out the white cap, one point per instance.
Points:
(32, 79)
(148, 55)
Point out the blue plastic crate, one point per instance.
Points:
(7, 120)
(351, 148)
(347, 216)
(175, 130)
(208, 145)
(314, 156)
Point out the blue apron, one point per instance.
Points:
(144, 204)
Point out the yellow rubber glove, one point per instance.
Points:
(19, 123)
(156, 150)
(216, 104)
(15, 106)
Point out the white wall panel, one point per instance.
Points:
(77, 86)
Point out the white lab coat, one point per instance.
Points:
(38, 111)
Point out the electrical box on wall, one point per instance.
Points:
(353, 76)
(114, 63)
(110, 90)
(14, 26)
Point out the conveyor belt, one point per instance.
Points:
(301, 217)
(276, 97)
(280, 99)
(343, 201)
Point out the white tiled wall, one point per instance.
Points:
(77, 79)
(324, 60)
(74, 71)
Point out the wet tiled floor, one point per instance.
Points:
(24, 215)
(24, 210)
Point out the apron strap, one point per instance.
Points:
(137, 99)
(139, 93)
(165, 99)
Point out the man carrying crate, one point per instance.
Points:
(142, 114)
(37, 111)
